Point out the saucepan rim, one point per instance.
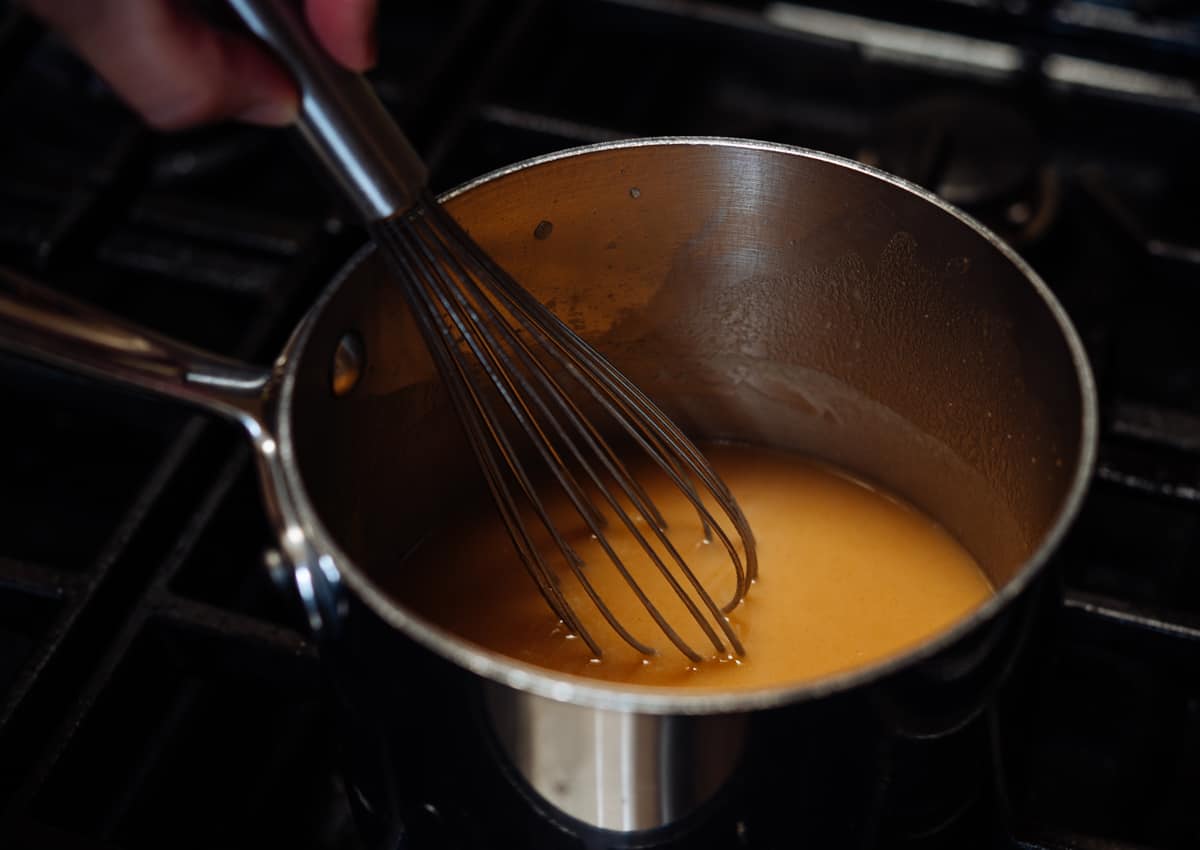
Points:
(602, 695)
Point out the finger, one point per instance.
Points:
(346, 28)
(170, 66)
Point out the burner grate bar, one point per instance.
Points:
(117, 585)
(901, 43)
(1118, 81)
(1173, 490)
(495, 58)
(158, 739)
(549, 125)
(1166, 250)
(1140, 618)
(178, 260)
(1062, 840)
(89, 208)
(38, 580)
(223, 624)
(1174, 429)
(274, 236)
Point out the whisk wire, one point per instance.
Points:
(628, 485)
(540, 319)
(462, 300)
(476, 416)
(633, 405)
(427, 272)
(479, 325)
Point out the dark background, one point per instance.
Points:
(156, 691)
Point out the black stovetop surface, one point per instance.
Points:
(155, 691)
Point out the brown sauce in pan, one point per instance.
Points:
(848, 575)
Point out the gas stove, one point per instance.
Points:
(155, 690)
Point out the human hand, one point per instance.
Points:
(178, 71)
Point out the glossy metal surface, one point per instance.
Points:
(543, 412)
(615, 770)
(342, 120)
(513, 369)
(756, 292)
(38, 322)
(761, 294)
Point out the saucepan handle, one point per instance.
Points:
(44, 325)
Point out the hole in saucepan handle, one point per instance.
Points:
(349, 359)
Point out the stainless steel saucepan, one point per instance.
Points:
(758, 293)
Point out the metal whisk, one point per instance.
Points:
(519, 378)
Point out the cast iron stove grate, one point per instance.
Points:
(154, 691)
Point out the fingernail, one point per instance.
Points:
(269, 113)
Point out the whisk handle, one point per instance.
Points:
(341, 118)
